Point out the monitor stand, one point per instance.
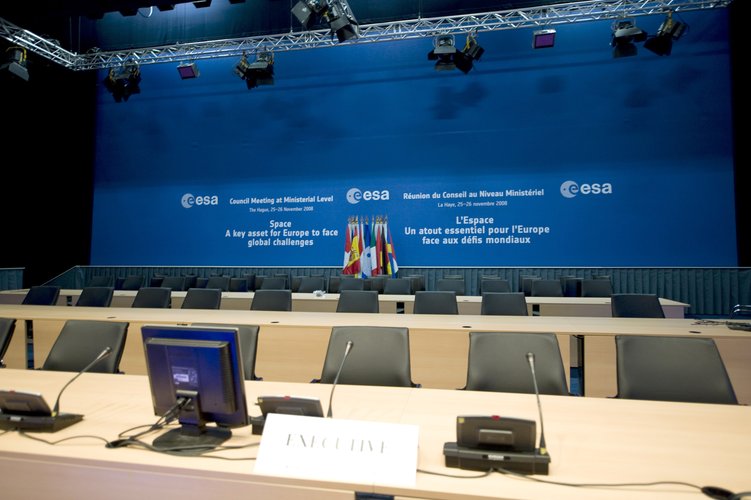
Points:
(186, 440)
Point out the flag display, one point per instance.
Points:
(369, 248)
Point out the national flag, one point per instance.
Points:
(347, 247)
(393, 266)
(353, 266)
(373, 257)
(367, 253)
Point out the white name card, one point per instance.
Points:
(351, 451)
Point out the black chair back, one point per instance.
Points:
(686, 369)
(362, 301)
(202, 298)
(636, 305)
(504, 304)
(81, 341)
(157, 297)
(271, 300)
(435, 302)
(498, 362)
(42, 295)
(7, 327)
(96, 296)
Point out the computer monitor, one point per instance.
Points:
(196, 375)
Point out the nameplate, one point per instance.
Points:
(351, 451)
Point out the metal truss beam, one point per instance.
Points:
(541, 16)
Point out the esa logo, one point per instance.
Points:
(188, 200)
(569, 189)
(355, 196)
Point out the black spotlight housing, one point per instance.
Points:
(123, 82)
(625, 33)
(337, 14)
(15, 63)
(443, 53)
(307, 11)
(259, 72)
(662, 43)
(464, 60)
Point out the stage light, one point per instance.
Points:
(188, 70)
(543, 39)
(662, 43)
(447, 57)
(625, 33)
(260, 72)
(337, 14)
(123, 82)
(464, 60)
(15, 63)
(342, 20)
(443, 52)
(306, 11)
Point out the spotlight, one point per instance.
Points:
(625, 33)
(543, 39)
(443, 52)
(472, 51)
(337, 14)
(123, 82)
(15, 63)
(260, 72)
(306, 11)
(662, 43)
(341, 20)
(188, 70)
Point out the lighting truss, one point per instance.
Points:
(530, 17)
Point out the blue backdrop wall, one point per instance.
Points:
(554, 157)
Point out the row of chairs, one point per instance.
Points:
(497, 360)
(425, 302)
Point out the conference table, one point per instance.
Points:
(310, 302)
(594, 441)
(292, 345)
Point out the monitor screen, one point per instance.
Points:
(196, 376)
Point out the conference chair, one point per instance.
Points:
(157, 297)
(685, 369)
(251, 277)
(397, 286)
(451, 284)
(351, 284)
(274, 283)
(7, 327)
(309, 284)
(363, 301)
(132, 282)
(546, 288)
(101, 280)
(636, 305)
(525, 284)
(435, 302)
(42, 295)
(271, 300)
(156, 281)
(494, 285)
(295, 282)
(504, 304)
(333, 286)
(190, 281)
(176, 283)
(202, 298)
(201, 282)
(236, 285)
(417, 281)
(80, 341)
(572, 286)
(248, 346)
(220, 282)
(379, 356)
(498, 362)
(596, 288)
(96, 296)
(377, 283)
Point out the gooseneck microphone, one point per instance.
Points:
(106, 352)
(531, 361)
(347, 350)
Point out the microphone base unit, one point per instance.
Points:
(37, 423)
(257, 424)
(483, 459)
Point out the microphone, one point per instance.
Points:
(531, 361)
(347, 350)
(105, 352)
